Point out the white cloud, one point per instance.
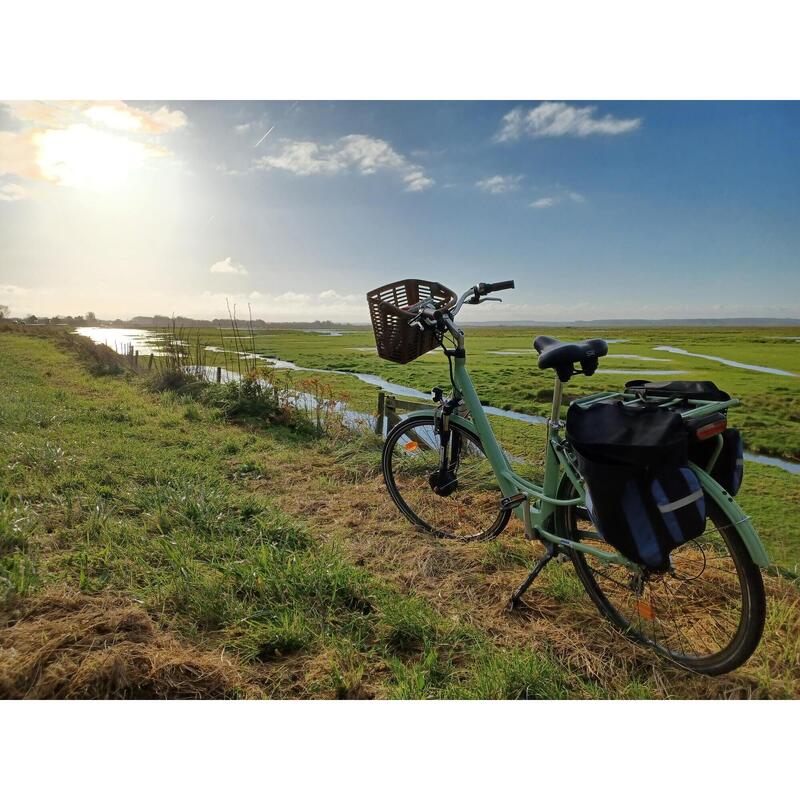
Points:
(560, 119)
(559, 196)
(83, 143)
(283, 307)
(332, 296)
(500, 184)
(227, 265)
(121, 116)
(11, 191)
(9, 289)
(364, 155)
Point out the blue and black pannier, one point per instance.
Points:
(642, 495)
(728, 468)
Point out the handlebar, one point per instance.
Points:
(426, 311)
(486, 288)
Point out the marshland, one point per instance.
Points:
(165, 535)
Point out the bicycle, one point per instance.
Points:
(449, 476)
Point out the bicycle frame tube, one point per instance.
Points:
(537, 515)
(538, 510)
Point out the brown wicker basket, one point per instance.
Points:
(396, 339)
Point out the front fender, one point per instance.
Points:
(739, 520)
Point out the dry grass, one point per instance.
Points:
(70, 645)
(471, 583)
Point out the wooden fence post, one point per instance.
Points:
(219, 374)
(388, 407)
(150, 361)
(379, 416)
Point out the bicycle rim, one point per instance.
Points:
(471, 509)
(706, 614)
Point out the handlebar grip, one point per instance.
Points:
(485, 288)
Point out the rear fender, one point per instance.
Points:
(739, 520)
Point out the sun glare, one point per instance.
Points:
(86, 158)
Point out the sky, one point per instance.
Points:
(596, 209)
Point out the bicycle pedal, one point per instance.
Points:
(507, 503)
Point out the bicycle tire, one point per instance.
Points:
(753, 611)
(433, 527)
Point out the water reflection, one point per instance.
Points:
(726, 361)
(146, 342)
(122, 339)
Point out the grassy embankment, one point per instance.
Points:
(148, 548)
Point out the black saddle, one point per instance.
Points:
(561, 356)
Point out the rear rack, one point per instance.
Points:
(697, 408)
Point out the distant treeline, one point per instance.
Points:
(160, 321)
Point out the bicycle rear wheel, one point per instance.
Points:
(469, 509)
(705, 614)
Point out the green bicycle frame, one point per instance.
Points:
(538, 509)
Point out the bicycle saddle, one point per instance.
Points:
(562, 355)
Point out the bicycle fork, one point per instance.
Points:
(445, 480)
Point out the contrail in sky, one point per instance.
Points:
(264, 137)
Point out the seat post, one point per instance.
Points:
(555, 411)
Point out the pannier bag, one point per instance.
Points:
(642, 496)
(728, 469)
(687, 390)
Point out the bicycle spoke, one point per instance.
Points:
(691, 613)
(468, 505)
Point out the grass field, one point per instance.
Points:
(150, 548)
(769, 415)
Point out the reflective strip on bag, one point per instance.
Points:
(681, 503)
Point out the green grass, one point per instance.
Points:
(128, 493)
(110, 489)
(769, 415)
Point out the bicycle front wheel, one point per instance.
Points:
(706, 613)
(469, 507)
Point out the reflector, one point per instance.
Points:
(712, 429)
(645, 610)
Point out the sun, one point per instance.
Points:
(86, 158)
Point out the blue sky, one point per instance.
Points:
(596, 209)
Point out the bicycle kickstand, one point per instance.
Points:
(551, 553)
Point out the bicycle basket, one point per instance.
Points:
(395, 338)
